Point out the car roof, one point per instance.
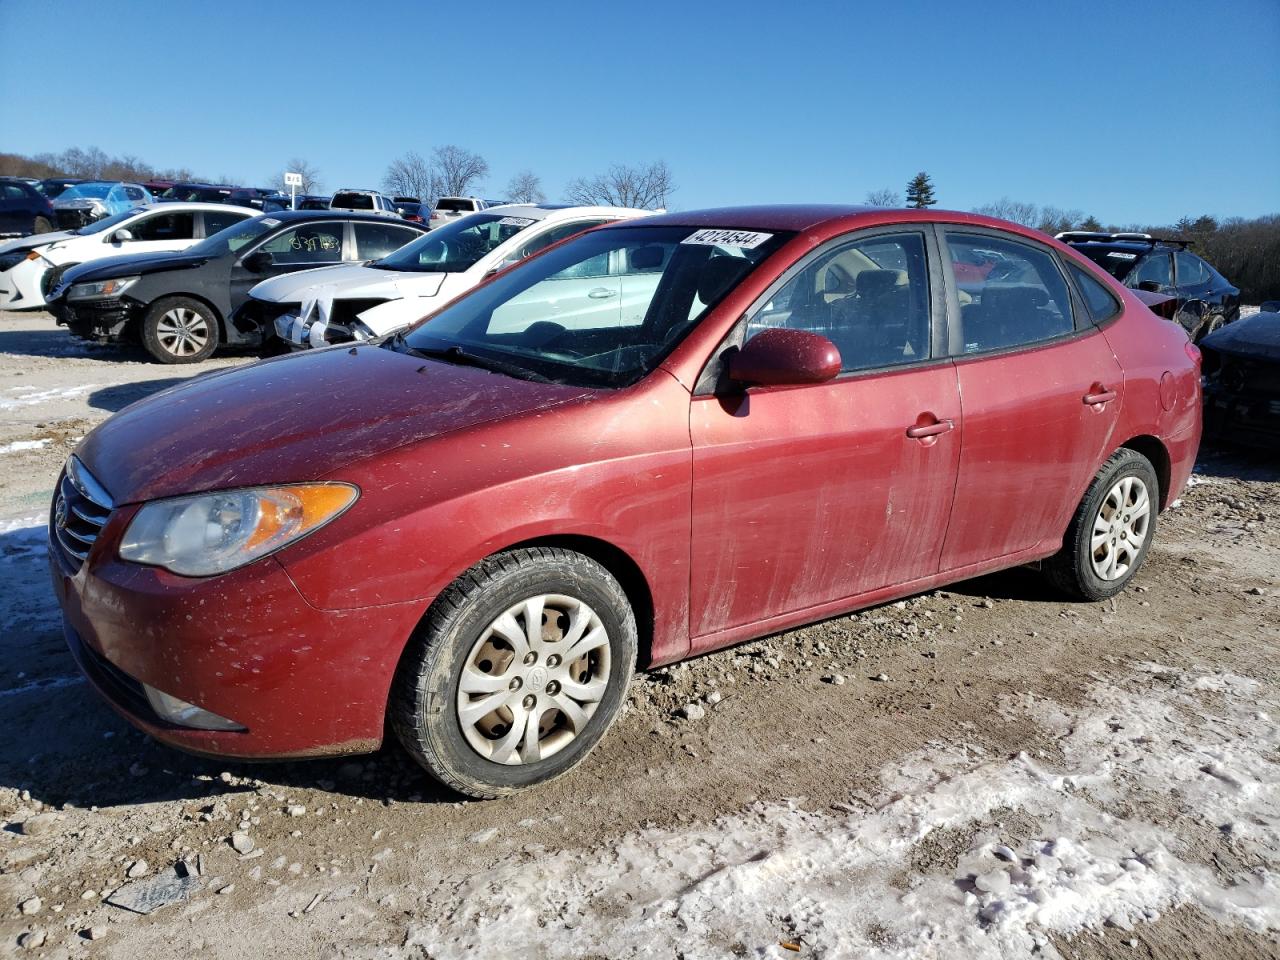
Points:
(288, 216)
(826, 218)
(172, 205)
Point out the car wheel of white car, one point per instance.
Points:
(180, 330)
(1111, 532)
(518, 670)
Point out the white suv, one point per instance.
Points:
(363, 301)
(451, 208)
(365, 201)
(30, 267)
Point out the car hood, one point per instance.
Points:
(295, 419)
(131, 264)
(35, 240)
(349, 281)
(1254, 336)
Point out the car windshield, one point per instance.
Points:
(353, 201)
(87, 191)
(1116, 262)
(234, 237)
(106, 223)
(457, 246)
(601, 310)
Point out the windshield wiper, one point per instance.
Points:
(455, 354)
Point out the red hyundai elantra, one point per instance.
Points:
(649, 441)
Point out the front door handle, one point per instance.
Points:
(601, 293)
(920, 431)
(1099, 396)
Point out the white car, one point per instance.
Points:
(30, 267)
(363, 301)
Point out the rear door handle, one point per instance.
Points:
(1101, 397)
(601, 293)
(920, 431)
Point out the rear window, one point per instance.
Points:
(456, 205)
(1116, 262)
(352, 201)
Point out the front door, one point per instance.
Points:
(308, 245)
(807, 495)
(1040, 394)
(158, 232)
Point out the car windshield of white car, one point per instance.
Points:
(456, 246)
(603, 309)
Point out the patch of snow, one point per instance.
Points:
(1200, 745)
(19, 445)
(28, 396)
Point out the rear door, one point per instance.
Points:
(319, 244)
(1040, 393)
(810, 495)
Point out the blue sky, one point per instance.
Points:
(1131, 111)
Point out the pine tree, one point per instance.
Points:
(920, 191)
(1091, 223)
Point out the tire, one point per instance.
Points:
(1212, 324)
(41, 225)
(180, 330)
(490, 753)
(1077, 569)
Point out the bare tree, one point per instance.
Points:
(526, 187)
(1054, 220)
(310, 176)
(884, 197)
(457, 170)
(645, 187)
(1027, 214)
(410, 176)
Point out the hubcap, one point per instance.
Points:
(182, 332)
(1120, 528)
(533, 679)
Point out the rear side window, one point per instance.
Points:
(1192, 271)
(353, 201)
(376, 240)
(165, 226)
(870, 298)
(217, 220)
(1102, 305)
(1155, 269)
(1019, 297)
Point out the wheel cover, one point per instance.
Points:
(182, 332)
(1120, 528)
(533, 679)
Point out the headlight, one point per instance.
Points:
(215, 532)
(103, 288)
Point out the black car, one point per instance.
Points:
(251, 196)
(411, 210)
(179, 305)
(51, 187)
(1206, 300)
(198, 193)
(23, 209)
(1242, 379)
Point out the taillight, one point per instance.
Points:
(1193, 353)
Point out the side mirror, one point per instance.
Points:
(123, 235)
(258, 261)
(781, 357)
(1150, 286)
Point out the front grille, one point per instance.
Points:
(80, 508)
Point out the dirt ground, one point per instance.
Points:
(983, 771)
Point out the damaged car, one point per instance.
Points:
(369, 300)
(1242, 380)
(471, 533)
(179, 305)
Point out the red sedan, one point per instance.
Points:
(652, 440)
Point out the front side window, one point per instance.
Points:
(1022, 299)
(457, 246)
(869, 297)
(309, 243)
(374, 240)
(1154, 269)
(542, 320)
(164, 226)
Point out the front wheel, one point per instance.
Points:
(1111, 532)
(41, 225)
(520, 667)
(180, 330)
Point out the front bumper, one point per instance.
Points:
(246, 646)
(1250, 419)
(102, 320)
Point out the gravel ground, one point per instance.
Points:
(984, 771)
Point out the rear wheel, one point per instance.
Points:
(521, 666)
(1111, 532)
(41, 225)
(180, 330)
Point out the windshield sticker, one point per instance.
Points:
(744, 239)
(1122, 256)
(271, 222)
(515, 221)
